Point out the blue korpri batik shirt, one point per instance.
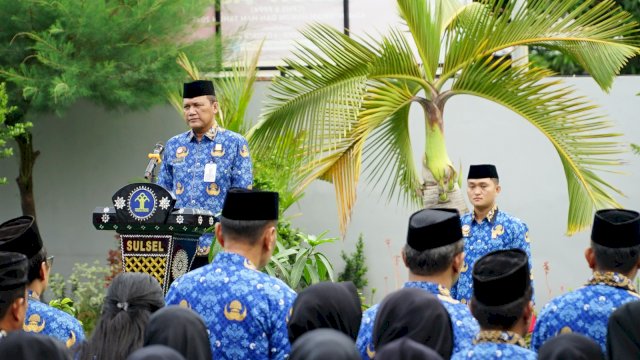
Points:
(497, 231)
(585, 310)
(465, 326)
(46, 320)
(245, 310)
(497, 345)
(222, 154)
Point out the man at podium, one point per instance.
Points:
(200, 165)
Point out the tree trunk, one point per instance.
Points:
(25, 177)
(433, 195)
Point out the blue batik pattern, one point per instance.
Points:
(46, 320)
(585, 311)
(183, 164)
(497, 231)
(245, 310)
(495, 351)
(465, 326)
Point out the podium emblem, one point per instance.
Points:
(142, 203)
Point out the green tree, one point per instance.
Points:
(351, 97)
(7, 132)
(355, 266)
(119, 54)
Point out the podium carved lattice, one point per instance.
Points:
(153, 265)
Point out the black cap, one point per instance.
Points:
(13, 270)
(616, 228)
(501, 277)
(482, 171)
(20, 235)
(198, 88)
(433, 228)
(243, 204)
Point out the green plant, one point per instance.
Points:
(565, 64)
(301, 264)
(635, 148)
(66, 305)
(87, 286)
(351, 97)
(355, 268)
(8, 131)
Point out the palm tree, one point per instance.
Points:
(350, 98)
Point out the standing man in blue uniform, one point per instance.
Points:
(614, 257)
(21, 235)
(433, 254)
(486, 228)
(199, 166)
(13, 291)
(501, 303)
(245, 310)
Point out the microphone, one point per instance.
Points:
(154, 159)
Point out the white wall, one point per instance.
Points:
(89, 153)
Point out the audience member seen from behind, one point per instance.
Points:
(13, 291)
(235, 299)
(614, 258)
(623, 335)
(323, 344)
(21, 235)
(406, 349)
(434, 257)
(20, 345)
(572, 347)
(130, 301)
(326, 305)
(180, 329)
(416, 314)
(156, 352)
(502, 305)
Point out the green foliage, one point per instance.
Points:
(301, 264)
(65, 305)
(87, 286)
(116, 53)
(355, 268)
(564, 64)
(8, 131)
(635, 148)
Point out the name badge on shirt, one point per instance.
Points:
(210, 173)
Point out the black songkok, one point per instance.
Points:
(198, 88)
(501, 277)
(616, 228)
(243, 204)
(20, 235)
(433, 228)
(482, 171)
(13, 270)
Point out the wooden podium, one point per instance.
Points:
(155, 238)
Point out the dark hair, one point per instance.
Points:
(432, 261)
(35, 263)
(247, 230)
(212, 98)
(7, 297)
(130, 301)
(501, 317)
(620, 260)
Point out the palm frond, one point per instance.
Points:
(319, 95)
(569, 121)
(601, 38)
(235, 89)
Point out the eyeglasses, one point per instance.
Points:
(49, 261)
